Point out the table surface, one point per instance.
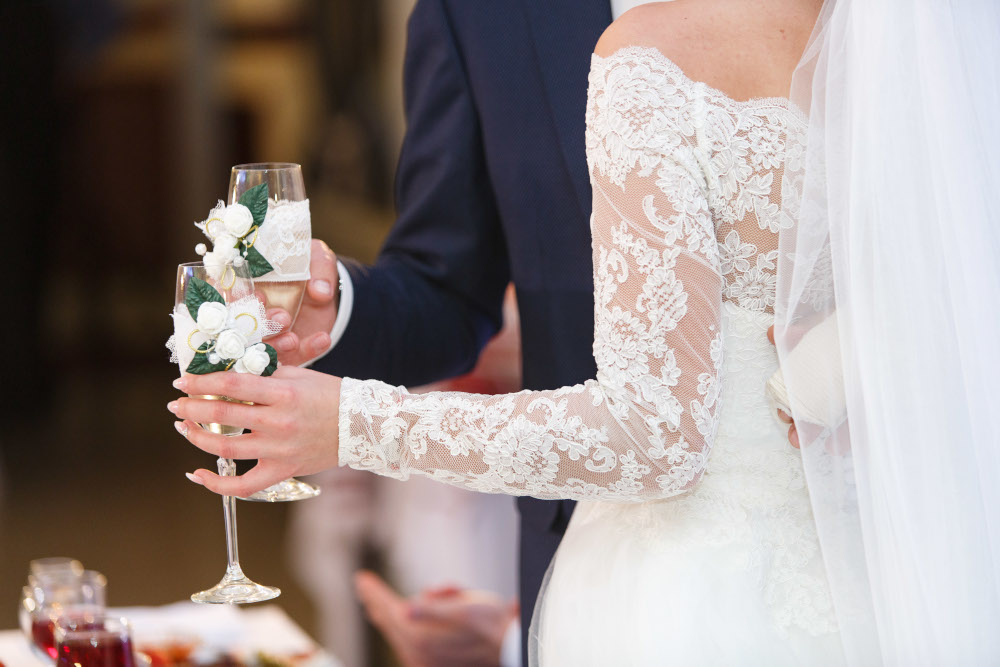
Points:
(265, 628)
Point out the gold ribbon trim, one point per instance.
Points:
(255, 323)
(222, 282)
(208, 226)
(255, 228)
(196, 350)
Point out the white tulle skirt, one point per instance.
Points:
(727, 574)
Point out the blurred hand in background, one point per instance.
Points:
(439, 627)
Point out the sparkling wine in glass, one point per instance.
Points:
(285, 241)
(232, 283)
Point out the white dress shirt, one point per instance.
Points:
(619, 7)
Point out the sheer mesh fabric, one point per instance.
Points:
(685, 216)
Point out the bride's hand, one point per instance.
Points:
(793, 434)
(294, 419)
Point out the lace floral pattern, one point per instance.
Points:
(685, 219)
(645, 426)
(684, 186)
(285, 240)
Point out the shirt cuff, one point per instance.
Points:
(344, 309)
(510, 650)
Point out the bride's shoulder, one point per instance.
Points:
(743, 49)
(670, 27)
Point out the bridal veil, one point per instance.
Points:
(896, 251)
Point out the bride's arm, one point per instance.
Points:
(643, 428)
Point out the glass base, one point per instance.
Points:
(285, 491)
(235, 588)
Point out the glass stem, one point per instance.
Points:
(227, 468)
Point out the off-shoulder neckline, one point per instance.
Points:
(670, 65)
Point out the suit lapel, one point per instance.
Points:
(564, 33)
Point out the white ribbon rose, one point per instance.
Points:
(212, 317)
(216, 259)
(238, 220)
(255, 360)
(231, 344)
(224, 242)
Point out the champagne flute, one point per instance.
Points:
(285, 241)
(232, 283)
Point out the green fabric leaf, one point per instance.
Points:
(200, 365)
(258, 265)
(255, 199)
(197, 293)
(273, 366)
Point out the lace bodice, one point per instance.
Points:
(685, 216)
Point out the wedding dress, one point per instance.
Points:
(694, 541)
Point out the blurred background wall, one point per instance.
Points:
(120, 120)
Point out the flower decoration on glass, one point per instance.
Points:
(211, 335)
(234, 231)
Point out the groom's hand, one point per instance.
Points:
(310, 337)
(443, 627)
(793, 435)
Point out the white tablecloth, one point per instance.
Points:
(216, 627)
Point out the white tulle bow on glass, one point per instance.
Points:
(245, 317)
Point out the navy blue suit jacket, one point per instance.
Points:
(492, 187)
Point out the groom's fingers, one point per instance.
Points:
(317, 344)
(323, 276)
(285, 342)
(278, 315)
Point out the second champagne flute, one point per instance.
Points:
(234, 285)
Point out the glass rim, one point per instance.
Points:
(63, 576)
(40, 565)
(202, 264)
(107, 625)
(267, 166)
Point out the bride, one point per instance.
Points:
(694, 541)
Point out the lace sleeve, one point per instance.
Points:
(644, 427)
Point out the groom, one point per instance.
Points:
(492, 187)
